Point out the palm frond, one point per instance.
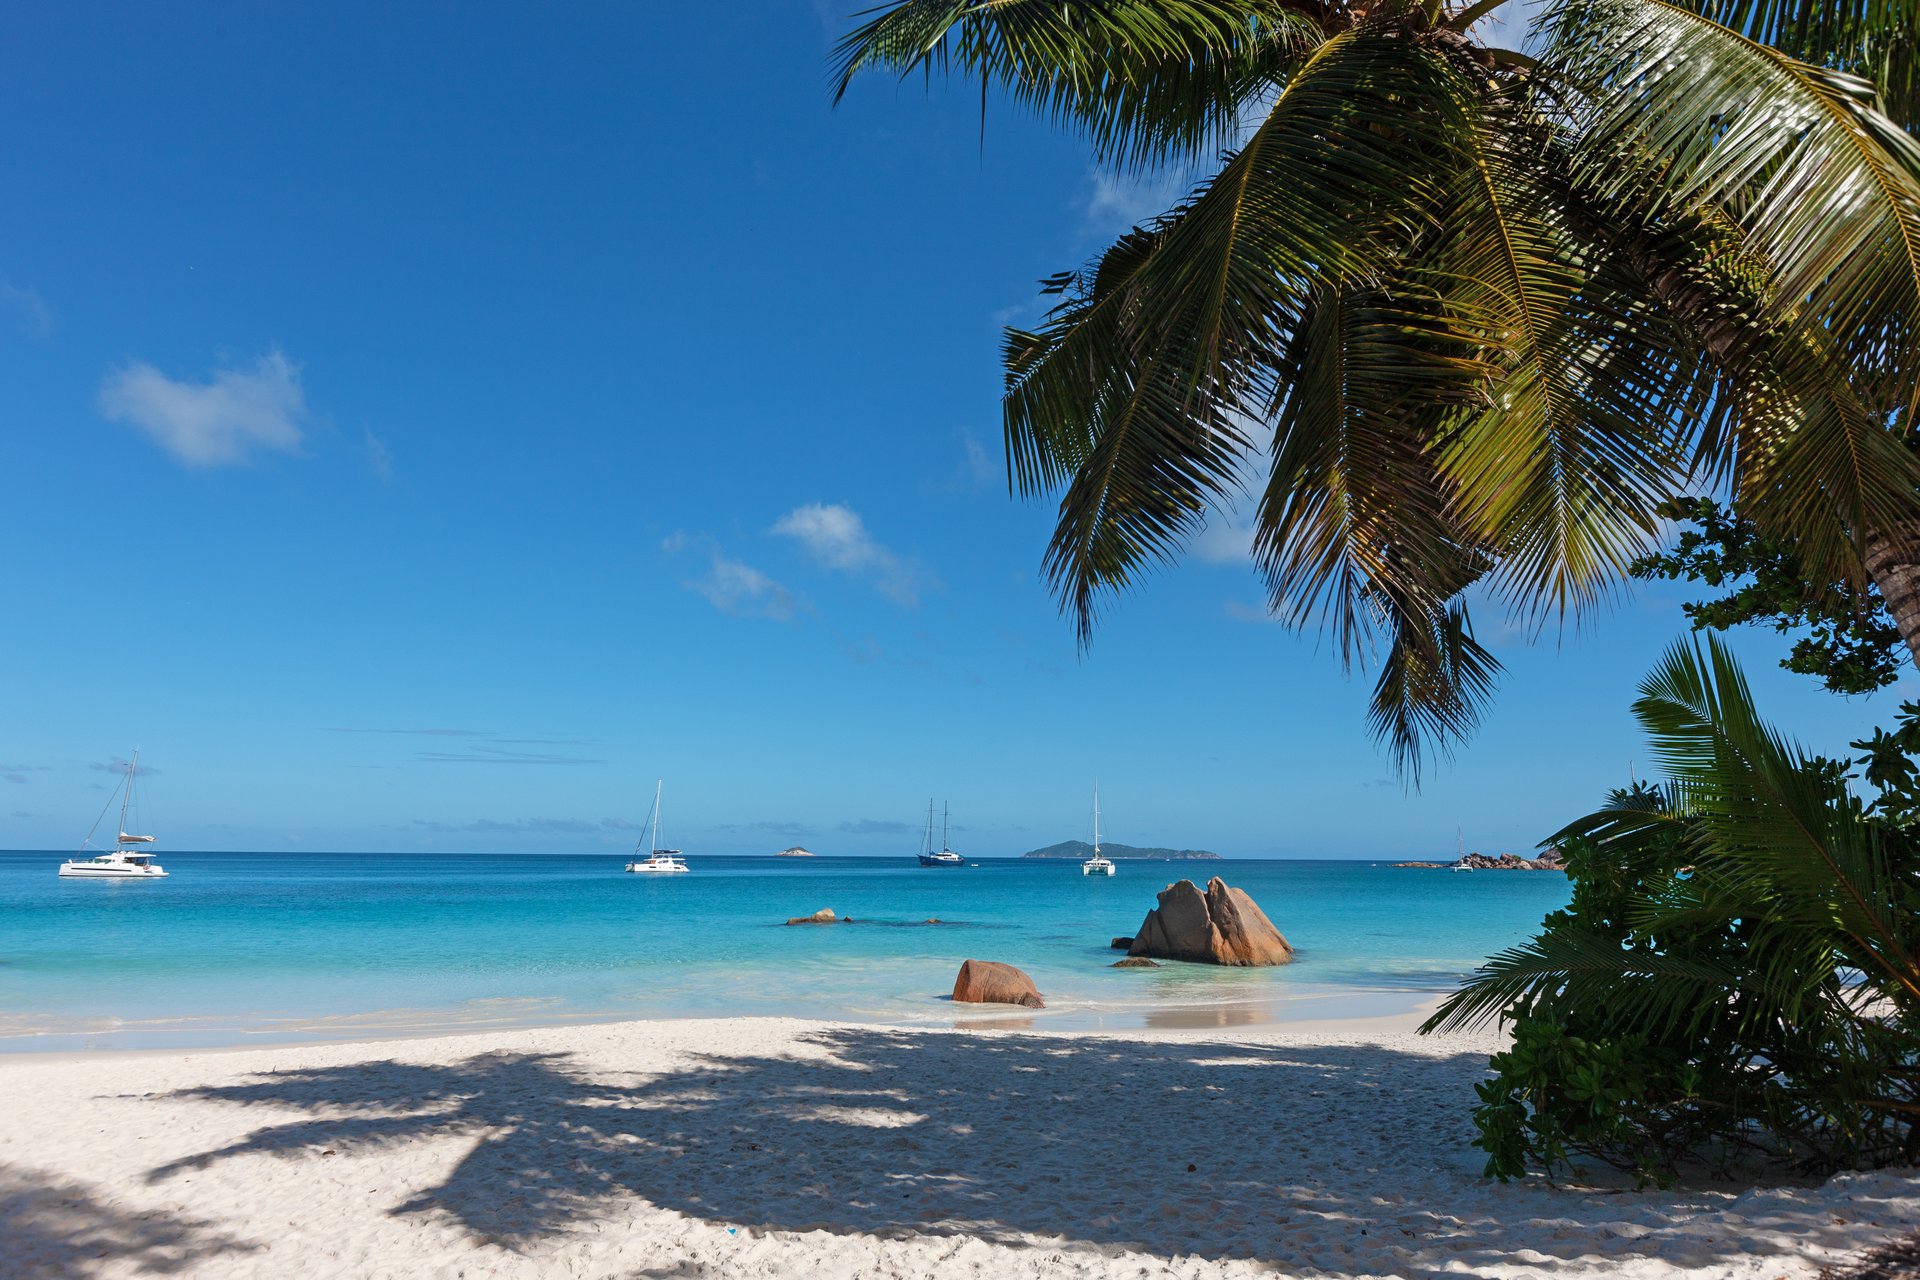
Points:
(1138, 388)
(1573, 966)
(1356, 521)
(1876, 39)
(1827, 188)
(1432, 686)
(1147, 81)
(1580, 439)
(1776, 829)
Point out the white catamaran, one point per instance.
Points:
(127, 860)
(1096, 865)
(658, 861)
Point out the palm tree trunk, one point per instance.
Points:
(1893, 567)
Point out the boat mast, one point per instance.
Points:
(126, 796)
(946, 814)
(1096, 817)
(653, 842)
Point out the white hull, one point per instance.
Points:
(1096, 867)
(657, 868)
(82, 871)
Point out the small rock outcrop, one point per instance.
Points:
(990, 982)
(823, 916)
(1220, 926)
(1134, 962)
(1121, 944)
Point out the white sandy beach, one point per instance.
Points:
(776, 1147)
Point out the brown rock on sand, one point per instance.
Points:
(1221, 926)
(990, 982)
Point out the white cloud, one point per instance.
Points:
(379, 460)
(220, 422)
(1241, 611)
(981, 470)
(29, 308)
(733, 586)
(1119, 202)
(1225, 540)
(834, 535)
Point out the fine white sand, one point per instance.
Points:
(774, 1147)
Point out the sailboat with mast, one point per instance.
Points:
(128, 859)
(1096, 865)
(658, 861)
(946, 857)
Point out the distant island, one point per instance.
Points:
(795, 852)
(1547, 861)
(1081, 849)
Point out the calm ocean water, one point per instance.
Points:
(241, 947)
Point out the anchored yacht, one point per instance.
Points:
(128, 859)
(946, 857)
(658, 861)
(1096, 865)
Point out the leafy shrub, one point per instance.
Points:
(1737, 976)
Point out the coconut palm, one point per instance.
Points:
(1749, 923)
(1491, 307)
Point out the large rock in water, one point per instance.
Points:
(990, 982)
(1220, 926)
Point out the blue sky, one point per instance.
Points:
(427, 425)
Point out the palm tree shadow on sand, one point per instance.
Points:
(991, 1136)
(51, 1227)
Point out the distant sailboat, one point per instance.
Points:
(126, 860)
(658, 861)
(1096, 865)
(1460, 846)
(945, 857)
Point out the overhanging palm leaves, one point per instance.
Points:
(1494, 308)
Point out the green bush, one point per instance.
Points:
(1737, 977)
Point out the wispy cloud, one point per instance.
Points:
(734, 586)
(428, 733)
(779, 827)
(834, 535)
(18, 772)
(29, 309)
(876, 827)
(494, 755)
(979, 469)
(1241, 611)
(527, 826)
(379, 459)
(1116, 203)
(118, 764)
(224, 421)
(1227, 539)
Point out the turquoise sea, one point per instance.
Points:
(238, 948)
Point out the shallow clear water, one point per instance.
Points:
(237, 947)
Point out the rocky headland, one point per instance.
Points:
(1549, 860)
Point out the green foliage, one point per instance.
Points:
(1851, 645)
(1492, 309)
(1737, 975)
